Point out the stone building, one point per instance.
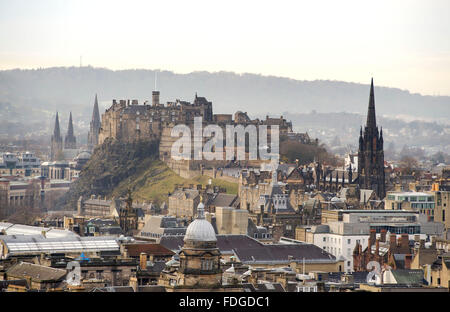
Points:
(440, 271)
(442, 208)
(183, 202)
(38, 277)
(129, 121)
(198, 265)
(231, 221)
(128, 216)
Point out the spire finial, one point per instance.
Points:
(371, 120)
(201, 209)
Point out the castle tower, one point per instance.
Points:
(56, 141)
(155, 94)
(94, 126)
(70, 142)
(370, 154)
(155, 98)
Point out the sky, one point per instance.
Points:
(402, 44)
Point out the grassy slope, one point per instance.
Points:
(155, 180)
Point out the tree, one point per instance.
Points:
(438, 158)
(408, 165)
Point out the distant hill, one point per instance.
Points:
(39, 93)
(29, 99)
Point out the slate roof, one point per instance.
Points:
(188, 193)
(134, 250)
(408, 277)
(263, 287)
(224, 200)
(36, 272)
(251, 251)
(114, 289)
(358, 277)
(151, 288)
(156, 267)
(162, 225)
(280, 253)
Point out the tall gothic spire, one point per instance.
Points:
(56, 141)
(95, 126)
(70, 141)
(95, 113)
(70, 127)
(371, 120)
(56, 130)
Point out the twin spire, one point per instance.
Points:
(70, 140)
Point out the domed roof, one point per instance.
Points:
(200, 230)
(84, 155)
(336, 199)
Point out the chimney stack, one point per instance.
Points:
(392, 242)
(372, 237)
(383, 235)
(422, 243)
(404, 244)
(143, 261)
(377, 248)
(155, 98)
(408, 261)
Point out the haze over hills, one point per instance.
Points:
(29, 98)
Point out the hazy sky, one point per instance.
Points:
(403, 44)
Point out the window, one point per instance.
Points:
(207, 264)
(349, 241)
(324, 239)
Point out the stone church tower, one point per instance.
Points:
(70, 142)
(370, 154)
(56, 142)
(94, 126)
(128, 218)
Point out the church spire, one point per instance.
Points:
(56, 141)
(70, 141)
(56, 130)
(95, 113)
(371, 120)
(94, 126)
(70, 127)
